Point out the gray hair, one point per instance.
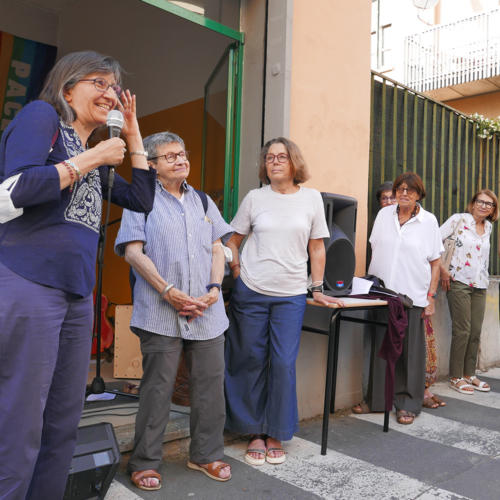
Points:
(152, 142)
(68, 71)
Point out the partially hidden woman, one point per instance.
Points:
(466, 283)
(284, 222)
(47, 263)
(406, 248)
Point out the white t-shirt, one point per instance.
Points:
(469, 263)
(401, 254)
(279, 227)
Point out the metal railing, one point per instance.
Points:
(411, 132)
(450, 54)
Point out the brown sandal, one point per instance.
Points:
(211, 470)
(405, 417)
(430, 402)
(361, 408)
(438, 400)
(138, 475)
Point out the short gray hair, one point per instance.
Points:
(152, 142)
(68, 71)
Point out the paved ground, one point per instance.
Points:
(449, 453)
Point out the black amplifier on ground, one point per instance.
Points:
(94, 462)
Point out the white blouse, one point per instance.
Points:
(469, 263)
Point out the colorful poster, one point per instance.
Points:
(24, 64)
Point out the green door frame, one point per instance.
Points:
(233, 117)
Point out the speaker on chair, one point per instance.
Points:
(94, 464)
(340, 212)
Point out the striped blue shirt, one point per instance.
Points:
(178, 238)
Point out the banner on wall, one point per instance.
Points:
(24, 64)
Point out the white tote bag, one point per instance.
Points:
(7, 209)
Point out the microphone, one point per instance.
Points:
(114, 122)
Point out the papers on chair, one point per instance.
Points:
(360, 286)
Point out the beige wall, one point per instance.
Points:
(330, 99)
(487, 105)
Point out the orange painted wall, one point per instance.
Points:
(487, 105)
(330, 100)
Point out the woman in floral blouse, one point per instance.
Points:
(466, 283)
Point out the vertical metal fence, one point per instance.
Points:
(410, 132)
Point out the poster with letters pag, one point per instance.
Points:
(24, 64)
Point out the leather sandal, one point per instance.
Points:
(461, 385)
(405, 417)
(260, 451)
(430, 403)
(138, 475)
(438, 400)
(211, 470)
(479, 385)
(275, 460)
(361, 408)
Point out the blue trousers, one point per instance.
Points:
(262, 345)
(45, 339)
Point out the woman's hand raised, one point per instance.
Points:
(127, 105)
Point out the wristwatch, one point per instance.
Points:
(213, 285)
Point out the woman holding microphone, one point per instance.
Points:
(47, 262)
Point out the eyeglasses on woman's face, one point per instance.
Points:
(484, 203)
(102, 85)
(172, 157)
(282, 158)
(408, 190)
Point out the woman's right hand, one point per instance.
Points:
(445, 280)
(110, 151)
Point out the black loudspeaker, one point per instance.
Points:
(340, 212)
(94, 463)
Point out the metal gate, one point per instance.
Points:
(411, 132)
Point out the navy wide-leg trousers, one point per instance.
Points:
(262, 345)
(45, 339)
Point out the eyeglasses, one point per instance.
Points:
(484, 203)
(401, 190)
(102, 85)
(387, 198)
(282, 158)
(172, 157)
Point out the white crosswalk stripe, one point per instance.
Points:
(340, 477)
(445, 431)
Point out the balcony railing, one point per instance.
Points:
(451, 54)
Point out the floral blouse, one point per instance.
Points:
(469, 263)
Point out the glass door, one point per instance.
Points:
(221, 131)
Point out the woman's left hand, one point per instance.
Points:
(211, 297)
(326, 299)
(430, 309)
(127, 105)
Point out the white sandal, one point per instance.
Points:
(455, 384)
(481, 386)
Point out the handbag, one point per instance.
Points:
(449, 246)
(7, 209)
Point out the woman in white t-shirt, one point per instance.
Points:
(285, 224)
(466, 283)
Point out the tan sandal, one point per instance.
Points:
(138, 475)
(211, 470)
(405, 417)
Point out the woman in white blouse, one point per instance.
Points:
(466, 283)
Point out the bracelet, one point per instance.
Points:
(433, 295)
(139, 153)
(213, 285)
(75, 167)
(317, 283)
(318, 288)
(71, 175)
(166, 289)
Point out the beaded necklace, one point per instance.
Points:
(413, 214)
